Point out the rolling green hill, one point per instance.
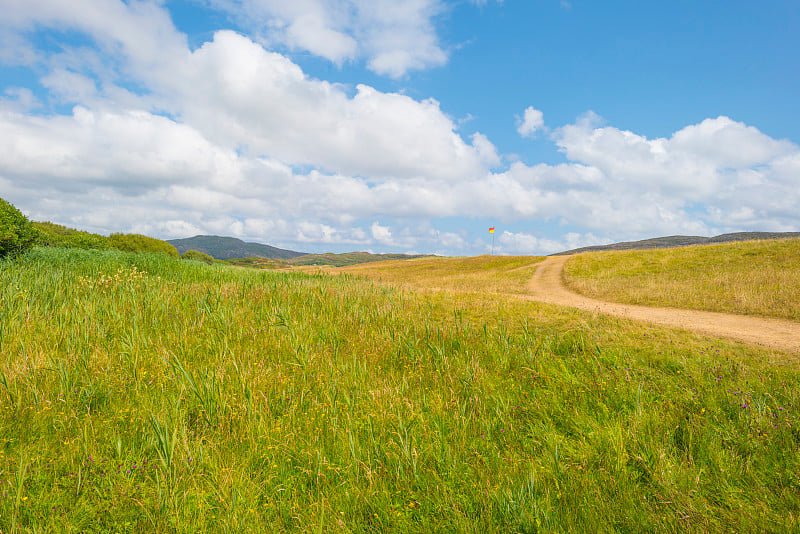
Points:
(682, 241)
(752, 278)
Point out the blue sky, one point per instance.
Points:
(375, 125)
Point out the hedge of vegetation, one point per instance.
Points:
(16, 232)
(55, 235)
(141, 243)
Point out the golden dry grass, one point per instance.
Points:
(753, 278)
(485, 274)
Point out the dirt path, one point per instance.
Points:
(547, 286)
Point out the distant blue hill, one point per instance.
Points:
(226, 248)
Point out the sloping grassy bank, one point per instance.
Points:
(753, 278)
(141, 393)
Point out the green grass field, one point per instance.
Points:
(141, 393)
(752, 278)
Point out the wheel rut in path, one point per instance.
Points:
(547, 286)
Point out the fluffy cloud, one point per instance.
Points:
(240, 94)
(128, 151)
(531, 122)
(393, 37)
(136, 171)
(719, 164)
(243, 97)
(381, 234)
(486, 150)
(707, 162)
(142, 32)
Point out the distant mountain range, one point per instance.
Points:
(226, 248)
(682, 241)
(351, 258)
(253, 254)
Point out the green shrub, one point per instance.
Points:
(17, 234)
(196, 255)
(55, 235)
(141, 243)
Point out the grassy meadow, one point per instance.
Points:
(484, 274)
(142, 393)
(752, 278)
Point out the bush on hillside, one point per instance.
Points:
(55, 235)
(141, 243)
(196, 255)
(17, 234)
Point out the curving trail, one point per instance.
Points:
(547, 286)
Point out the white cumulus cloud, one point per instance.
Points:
(393, 37)
(532, 121)
(382, 234)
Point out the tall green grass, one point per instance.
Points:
(141, 393)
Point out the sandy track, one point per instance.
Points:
(547, 286)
